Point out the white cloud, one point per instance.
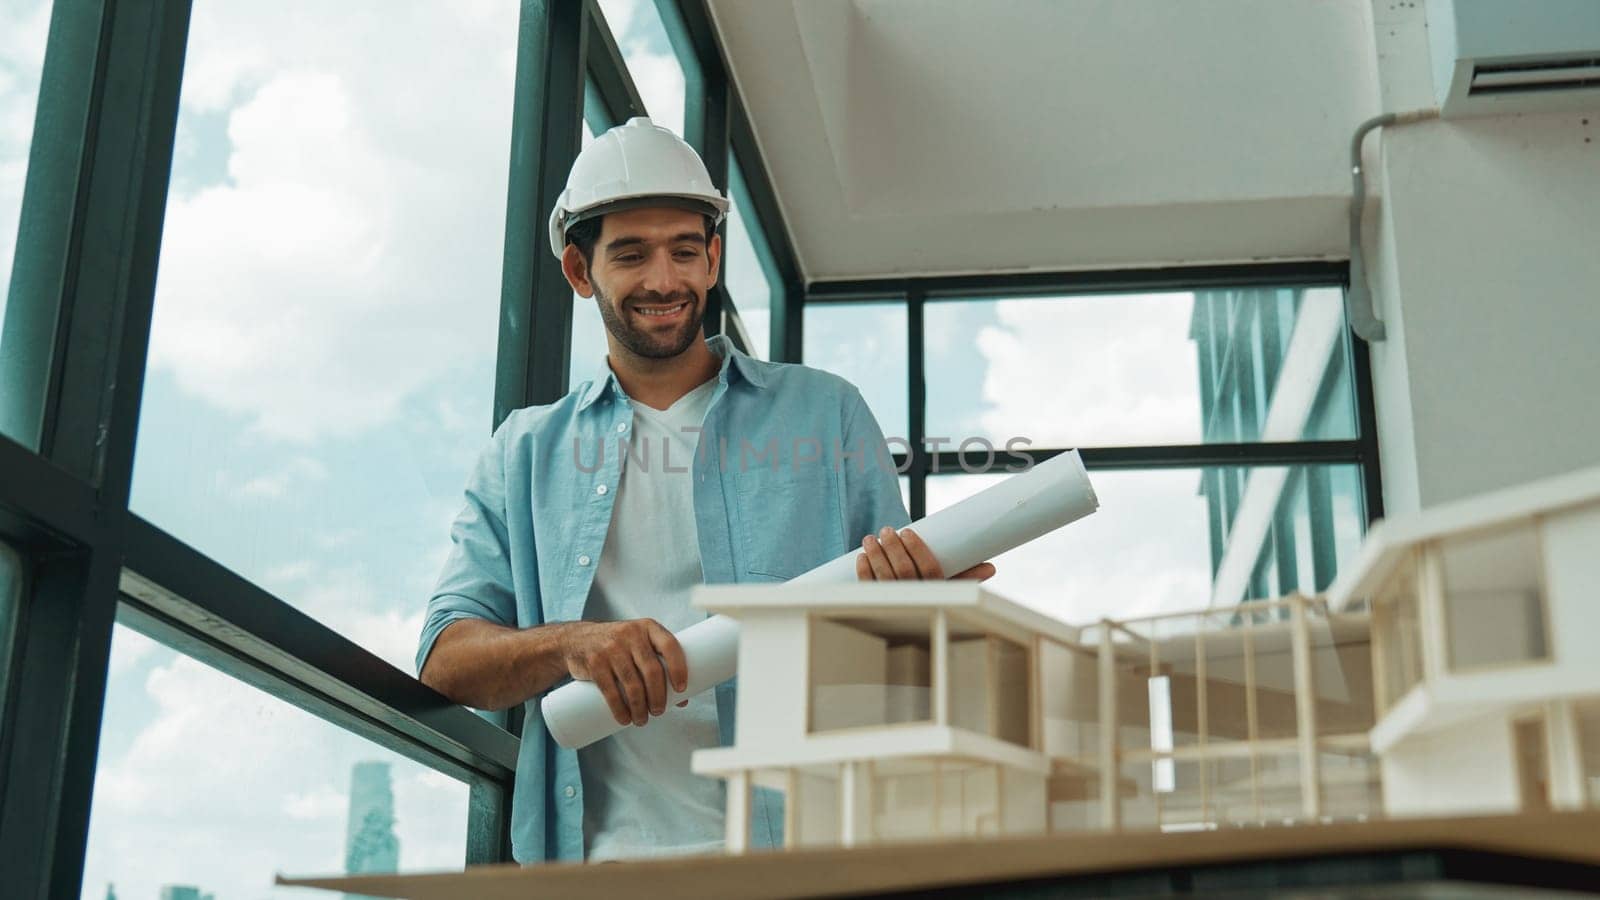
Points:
(128, 651)
(659, 78)
(1143, 552)
(227, 786)
(1091, 371)
(1088, 371)
(655, 71)
(353, 255)
(318, 803)
(295, 471)
(346, 599)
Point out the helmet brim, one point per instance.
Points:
(691, 204)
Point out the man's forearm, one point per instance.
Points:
(488, 666)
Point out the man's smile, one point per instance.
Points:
(662, 312)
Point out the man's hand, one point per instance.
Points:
(892, 556)
(630, 662)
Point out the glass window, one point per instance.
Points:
(746, 274)
(865, 343)
(206, 782)
(322, 353)
(654, 67)
(1163, 542)
(24, 25)
(11, 584)
(1141, 369)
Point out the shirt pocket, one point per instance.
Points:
(789, 520)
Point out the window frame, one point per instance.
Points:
(78, 319)
(92, 213)
(915, 293)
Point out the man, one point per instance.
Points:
(588, 520)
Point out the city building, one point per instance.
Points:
(370, 841)
(1274, 365)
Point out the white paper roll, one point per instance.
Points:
(979, 528)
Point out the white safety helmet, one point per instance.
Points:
(633, 165)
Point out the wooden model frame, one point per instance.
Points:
(1032, 769)
(1248, 689)
(981, 649)
(1516, 674)
(1260, 722)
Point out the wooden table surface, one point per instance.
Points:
(1566, 837)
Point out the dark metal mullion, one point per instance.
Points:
(1243, 454)
(916, 382)
(114, 118)
(1177, 456)
(546, 133)
(1367, 427)
(242, 660)
(188, 592)
(57, 172)
(43, 507)
(1178, 278)
(51, 740)
(788, 321)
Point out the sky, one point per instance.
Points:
(321, 380)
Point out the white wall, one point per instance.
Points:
(1462, 770)
(1487, 270)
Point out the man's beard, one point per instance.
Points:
(652, 344)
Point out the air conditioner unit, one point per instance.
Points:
(1493, 57)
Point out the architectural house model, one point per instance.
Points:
(1485, 616)
(1450, 670)
(889, 711)
(886, 711)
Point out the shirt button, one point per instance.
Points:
(621, 427)
(600, 489)
(583, 560)
(570, 792)
(702, 476)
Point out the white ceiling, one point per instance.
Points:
(955, 136)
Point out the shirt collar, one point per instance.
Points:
(732, 359)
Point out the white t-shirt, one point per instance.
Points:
(639, 797)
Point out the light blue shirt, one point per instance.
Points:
(792, 472)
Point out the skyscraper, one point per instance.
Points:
(1275, 366)
(370, 842)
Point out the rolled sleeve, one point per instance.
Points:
(476, 582)
(873, 490)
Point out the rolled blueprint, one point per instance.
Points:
(1006, 516)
